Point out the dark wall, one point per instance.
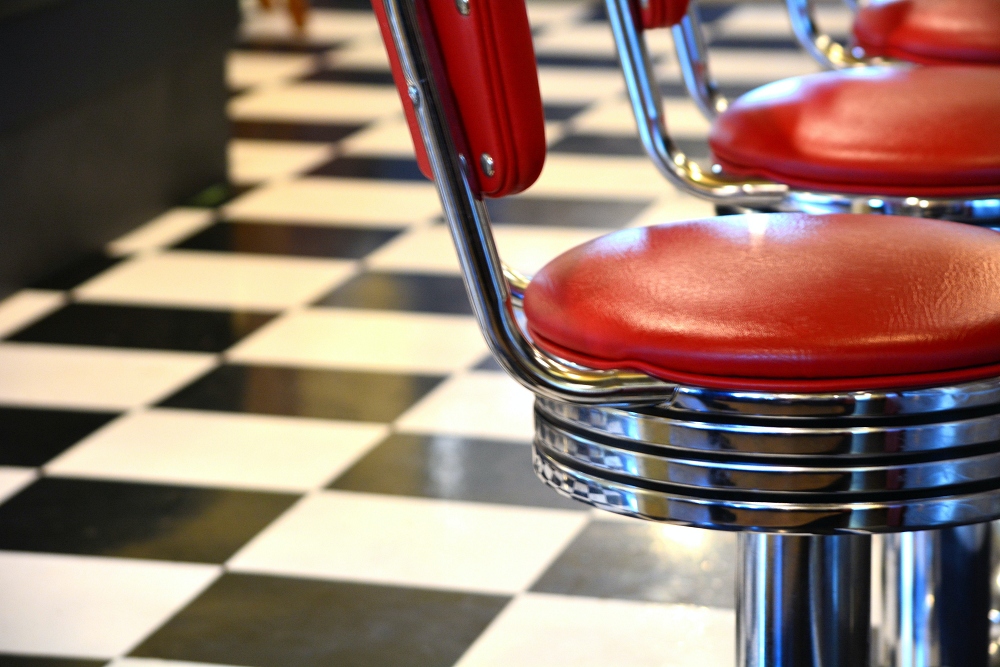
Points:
(110, 112)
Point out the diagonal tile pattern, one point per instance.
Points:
(269, 433)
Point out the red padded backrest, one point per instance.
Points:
(489, 65)
(662, 13)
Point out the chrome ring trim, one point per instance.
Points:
(729, 438)
(981, 394)
(775, 517)
(780, 475)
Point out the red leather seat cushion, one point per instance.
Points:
(781, 302)
(908, 131)
(931, 31)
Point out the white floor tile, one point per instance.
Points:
(13, 479)
(750, 67)
(568, 85)
(477, 404)
(93, 378)
(599, 176)
(527, 248)
(345, 201)
(587, 39)
(227, 450)
(673, 207)
(247, 69)
(387, 137)
(175, 225)
(89, 607)
(412, 541)
(217, 280)
(546, 14)
(366, 340)
(538, 630)
(614, 117)
(26, 306)
(767, 20)
(324, 26)
(316, 102)
(255, 161)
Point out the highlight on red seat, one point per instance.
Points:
(487, 60)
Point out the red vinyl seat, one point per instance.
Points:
(779, 302)
(912, 131)
(931, 31)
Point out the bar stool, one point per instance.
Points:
(930, 32)
(919, 141)
(804, 380)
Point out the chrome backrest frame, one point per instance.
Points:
(494, 289)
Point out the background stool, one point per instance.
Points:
(930, 32)
(873, 166)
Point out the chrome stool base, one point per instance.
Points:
(812, 486)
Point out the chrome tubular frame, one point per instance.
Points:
(735, 191)
(822, 47)
(807, 476)
(692, 54)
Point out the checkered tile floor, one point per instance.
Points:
(268, 433)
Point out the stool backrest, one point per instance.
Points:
(487, 74)
(662, 13)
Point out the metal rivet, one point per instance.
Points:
(486, 162)
(463, 7)
(414, 94)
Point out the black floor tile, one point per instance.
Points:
(369, 76)
(454, 468)
(282, 239)
(416, 292)
(142, 327)
(590, 62)
(260, 621)
(709, 13)
(74, 516)
(395, 169)
(731, 91)
(283, 131)
(599, 144)
(565, 212)
(558, 112)
(12, 660)
(489, 363)
(636, 561)
(755, 43)
(325, 394)
(77, 272)
(290, 45)
(32, 437)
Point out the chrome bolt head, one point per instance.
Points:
(463, 7)
(487, 164)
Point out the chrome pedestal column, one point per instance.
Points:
(936, 598)
(803, 601)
